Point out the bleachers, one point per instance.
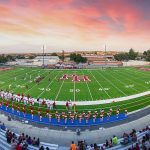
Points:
(119, 146)
(4, 145)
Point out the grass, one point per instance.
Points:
(105, 84)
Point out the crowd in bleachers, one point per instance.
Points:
(130, 141)
(20, 142)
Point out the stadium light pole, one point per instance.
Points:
(105, 55)
(43, 56)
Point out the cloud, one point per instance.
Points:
(88, 21)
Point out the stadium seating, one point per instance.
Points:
(5, 146)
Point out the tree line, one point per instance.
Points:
(132, 55)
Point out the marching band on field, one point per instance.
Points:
(70, 115)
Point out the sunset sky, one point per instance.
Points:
(25, 25)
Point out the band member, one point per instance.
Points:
(76, 115)
(126, 112)
(102, 111)
(101, 117)
(80, 118)
(87, 118)
(40, 117)
(117, 112)
(96, 113)
(32, 113)
(24, 111)
(72, 118)
(94, 118)
(6, 105)
(58, 118)
(50, 117)
(0, 104)
(54, 105)
(110, 110)
(18, 109)
(66, 118)
(39, 111)
(67, 105)
(108, 115)
(12, 109)
(47, 112)
(56, 114)
(83, 114)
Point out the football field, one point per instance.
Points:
(78, 85)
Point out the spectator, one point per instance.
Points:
(38, 142)
(110, 142)
(3, 127)
(47, 148)
(73, 146)
(34, 141)
(41, 148)
(91, 147)
(29, 141)
(136, 147)
(106, 143)
(95, 146)
(19, 147)
(134, 137)
(115, 140)
(13, 144)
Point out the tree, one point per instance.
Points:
(148, 55)
(121, 56)
(132, 54)
(31, 57)
(77, 58)
(54, 54)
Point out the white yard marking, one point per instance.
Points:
(49, 85)
(104, 89)
(115, 77)
(134, 81)
(36, 84)
(100, 84)
(112, 84)
(147, 82)
(129, 86)
(59, 89)
(12, 78)
(88, 88)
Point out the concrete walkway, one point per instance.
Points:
(64, 138)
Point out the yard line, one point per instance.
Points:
(7, 72)
(99, 84)
(134, 81)
(138, 71)
(88, 88)
(49, 84)
(24, 83)
(13, 80)
(112, 84)
(123, 82)
(59, 89)
(36, 84)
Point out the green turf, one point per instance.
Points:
(105, 83)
